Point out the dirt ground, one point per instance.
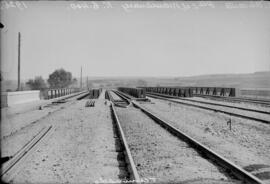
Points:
(16, 118)
(246, 143)
(19, 128)
(158, 154)
(80, 150)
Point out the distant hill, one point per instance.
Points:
(249, 80)
(255, 80)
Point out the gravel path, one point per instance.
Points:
(157, 154)
(248, 142)
(81, 150)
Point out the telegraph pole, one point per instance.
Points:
(81, 79)
(87, 82)
(19, 62)
(1, 77)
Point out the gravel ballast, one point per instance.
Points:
(235, 104)
(158, 154)
(265, 117)
(247, 143)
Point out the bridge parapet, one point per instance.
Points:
(18, 97)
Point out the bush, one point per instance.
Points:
(60, 79)
(37, 84)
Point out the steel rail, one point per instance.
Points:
(235, 99)
(237, 171)
(123, 95)
(9, 168)
(245, 98)
(83, 96)
(134, 176)
(211, 103)
(212, 109)
(129, 96)
(117, 103)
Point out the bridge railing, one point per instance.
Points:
(214, 91)
(193, 91)
(173, 91)
(55, 93)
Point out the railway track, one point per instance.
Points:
(211, 103)
(27, 125)
(91, 94)
(65, 99)
(10, 167)
(118, 167)
(68, 99)
(230, 167)
(117, 100)
(130, 166)
(225, 110)
(85, 95)
(264, 102)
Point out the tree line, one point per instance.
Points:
(58, 79)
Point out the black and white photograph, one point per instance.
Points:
(138, 92)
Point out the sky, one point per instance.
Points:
(135, 38)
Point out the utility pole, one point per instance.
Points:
(81, 79)
(19, 62)
(87, 82)
(1, 77)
